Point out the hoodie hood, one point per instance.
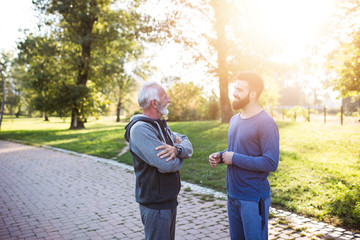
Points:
(160, 125)
(133, 120)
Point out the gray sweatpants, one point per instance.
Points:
(158, 224)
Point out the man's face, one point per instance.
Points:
(241, 95)
(164, 102)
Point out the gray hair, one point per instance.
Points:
(147, 93)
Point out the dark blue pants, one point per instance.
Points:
(245, 219)
(158, 224)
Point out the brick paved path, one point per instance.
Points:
(47, 194)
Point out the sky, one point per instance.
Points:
(14, 15)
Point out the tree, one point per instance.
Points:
(347, 65)
(39, 55)
(125, 82)
(90, 33)
(222, 48)
(213, 107)
(231, 44)
(344, 60)
(186, 101)
(11, 85)
(26, 94)
(4, 68)
(2, 96)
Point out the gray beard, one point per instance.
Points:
(164, 110)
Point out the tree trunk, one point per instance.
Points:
(87, 24)
(45, 116)
(221, 48)
(76, 121)
(226, 111)
(118, 109)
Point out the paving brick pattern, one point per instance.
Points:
(49, 194)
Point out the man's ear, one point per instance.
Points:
(253, 95)
(154, 104)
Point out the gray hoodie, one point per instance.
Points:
(157, 181)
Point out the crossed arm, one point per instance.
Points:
(182, 142)
(153, 151)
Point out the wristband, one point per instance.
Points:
(221, 157)
(178, 149)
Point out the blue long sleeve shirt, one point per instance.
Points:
(255, 143)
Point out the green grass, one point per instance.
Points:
(101, 138)
(318, 174)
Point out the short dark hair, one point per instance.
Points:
(255, 81)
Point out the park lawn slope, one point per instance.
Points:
(318, 174)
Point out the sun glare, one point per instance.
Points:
(296, 23)
(289, 26)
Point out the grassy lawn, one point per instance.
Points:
(318, 174)
(101, 138)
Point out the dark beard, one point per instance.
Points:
(240, 103)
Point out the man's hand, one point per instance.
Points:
(214, 159)
(227, 157)
(169, 151)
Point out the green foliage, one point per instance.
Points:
(213, 107)
(38, 54)
(83, 52)
(13, 87)
(20, 81)
(347, 65)
(188, 103)
(185, 103)
(69, 95)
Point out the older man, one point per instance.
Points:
(158, 155)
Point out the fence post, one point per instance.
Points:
(308, 114)
(324, 114)
(342, 114)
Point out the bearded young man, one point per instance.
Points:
(158, 155)
(252, 153)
